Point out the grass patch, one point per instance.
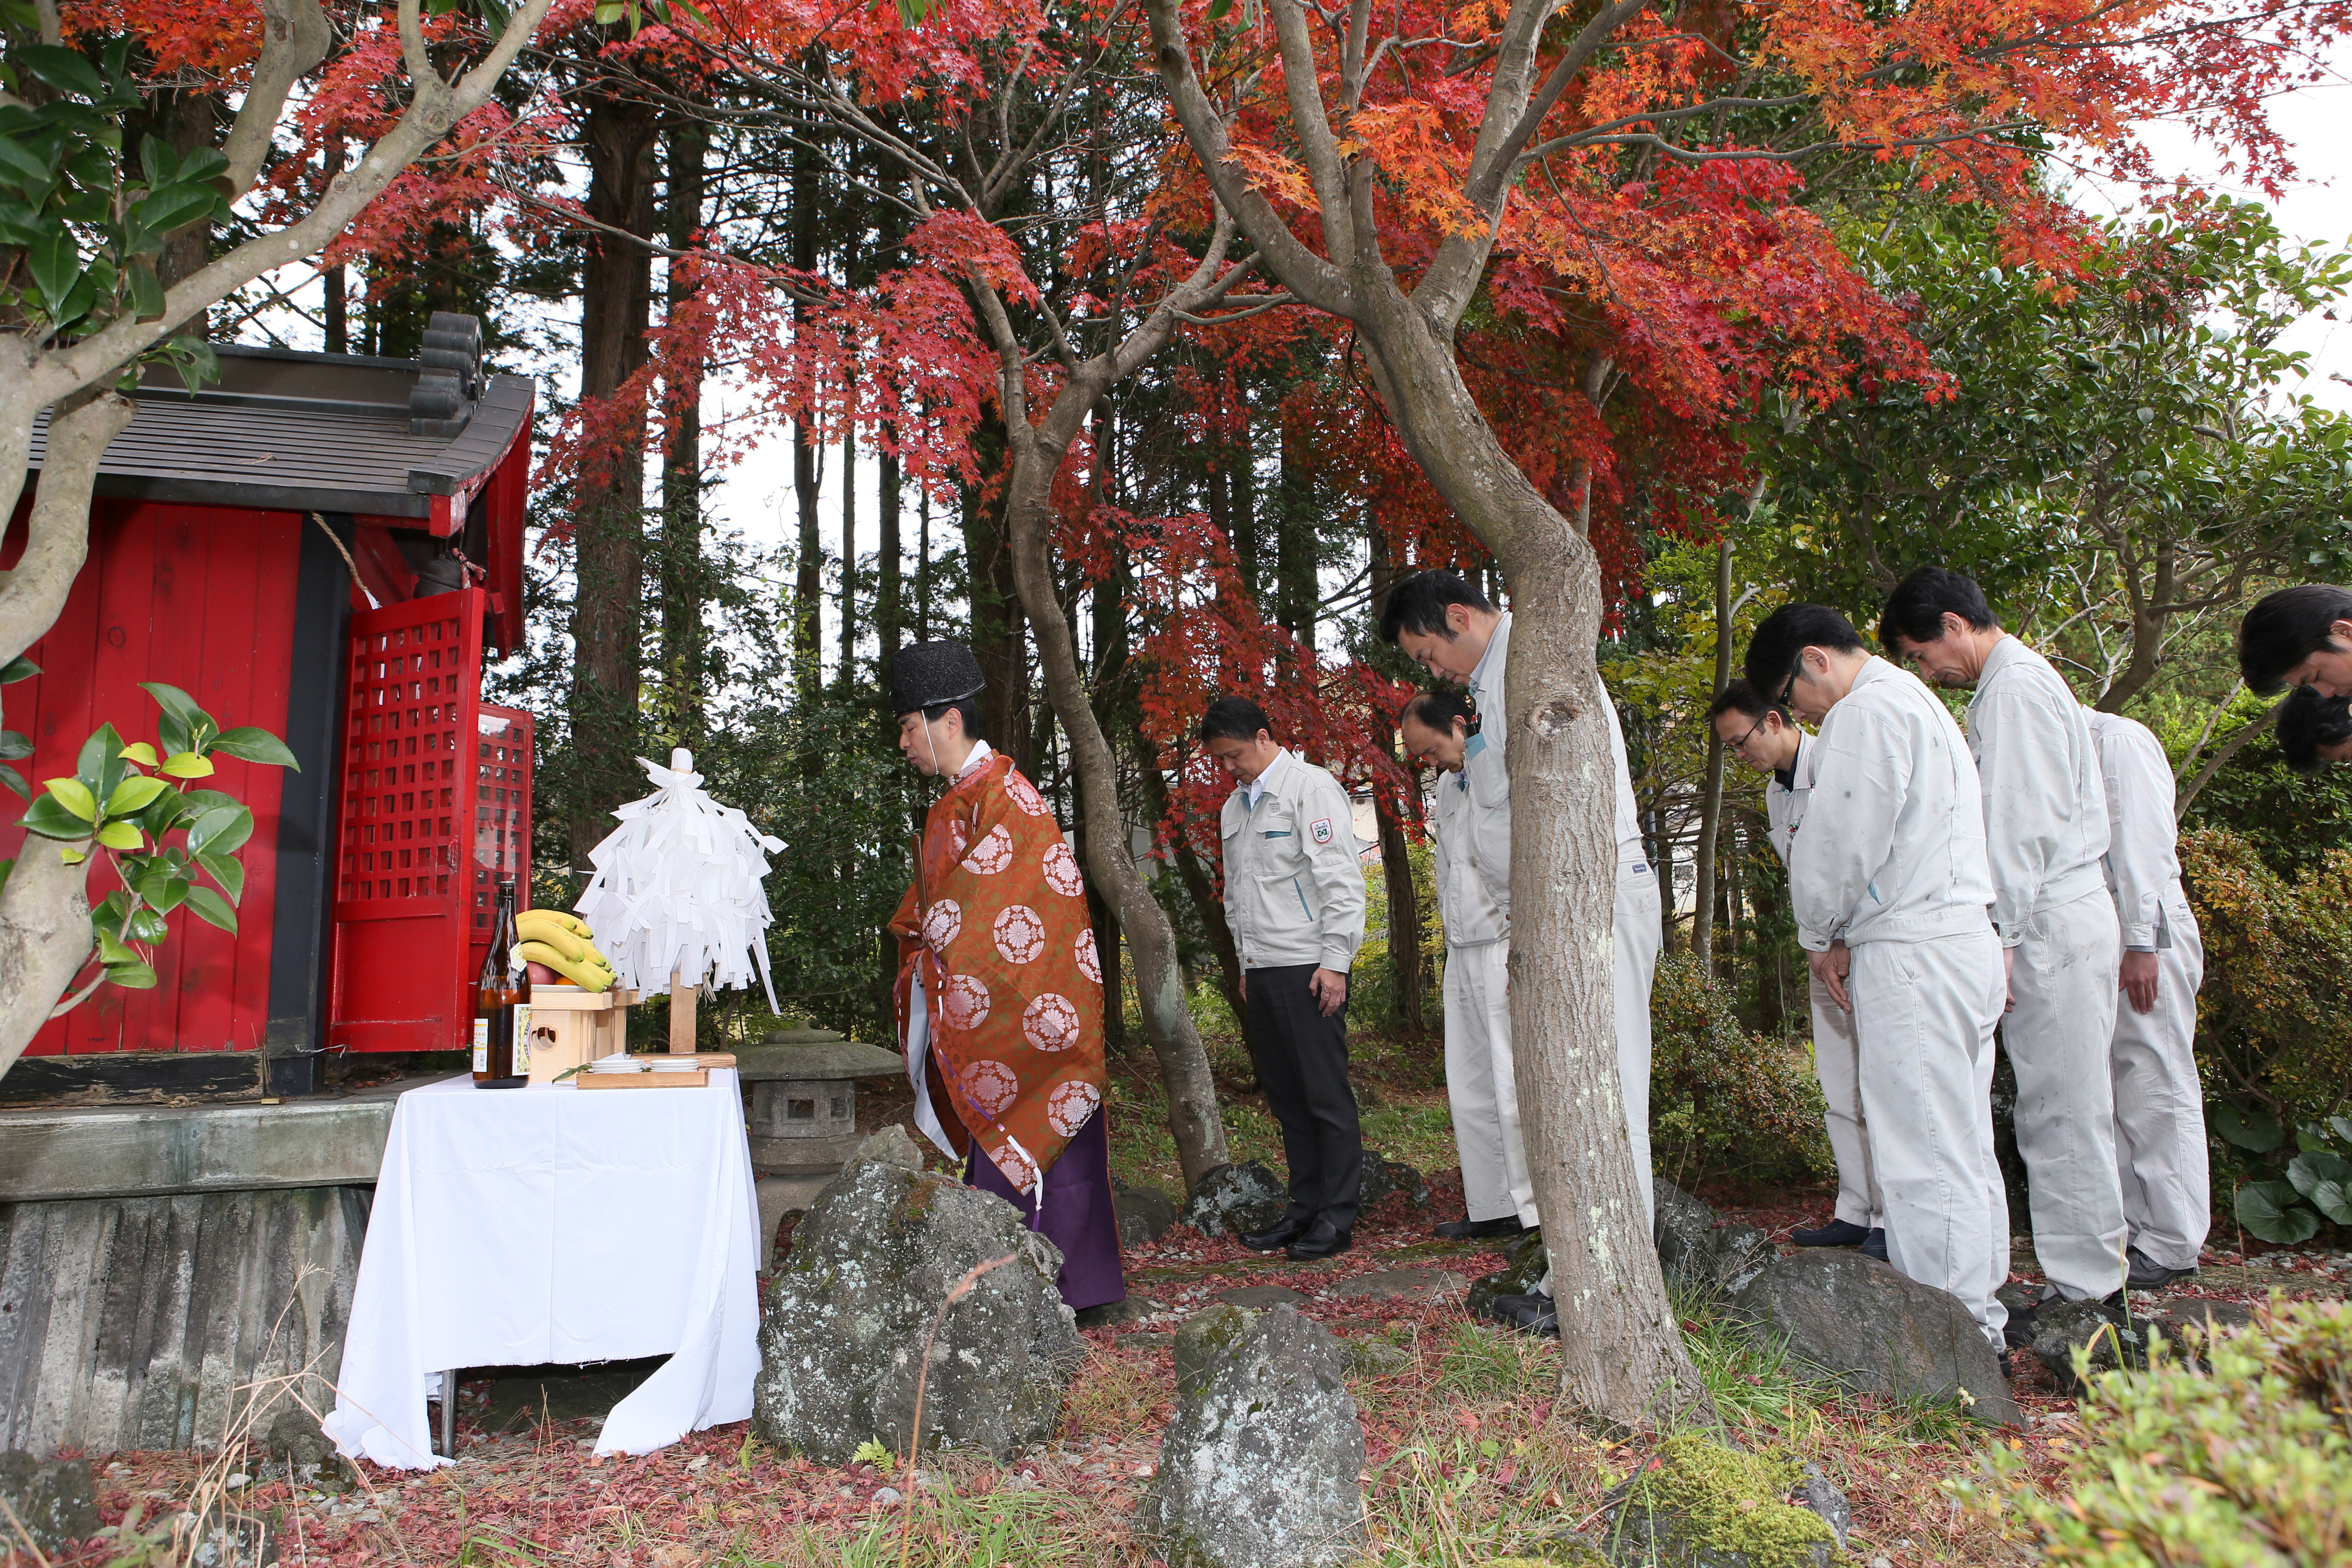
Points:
(1479, 1360)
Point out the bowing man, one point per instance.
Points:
(1000, 988)
(2159, 1101)
(2315, 731)
(1473, 854)
(2298, 637)
(1768, 741)
(1894, 869)
(1447, 626)
(1294, 900)
(2045, 823)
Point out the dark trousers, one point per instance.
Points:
(1302, 1061)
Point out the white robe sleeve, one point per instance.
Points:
(2141, 839)
(1860, 787)
(2024, 766)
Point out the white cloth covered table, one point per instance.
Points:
(517, 1227)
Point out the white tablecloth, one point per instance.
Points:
(513, 1227)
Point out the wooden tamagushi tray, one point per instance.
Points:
(698, 1076)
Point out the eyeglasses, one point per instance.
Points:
(1740, 745)
(1789, 690)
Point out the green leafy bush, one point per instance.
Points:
(132, 805)
(2237, 1450)
(1725, 1101)
(2274, 1028)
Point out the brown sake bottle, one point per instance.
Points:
(499, 990)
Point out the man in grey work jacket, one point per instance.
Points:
(1294, 901)
(2045, 825)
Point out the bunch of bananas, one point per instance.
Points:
(559, 939)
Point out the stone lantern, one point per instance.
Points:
(803, 1115)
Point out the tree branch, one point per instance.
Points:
(294, 39)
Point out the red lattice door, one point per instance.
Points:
(407, 827)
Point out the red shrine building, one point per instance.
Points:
(329, 547)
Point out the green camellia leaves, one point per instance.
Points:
(2272, 1210)
(251, 745)
(76, 797)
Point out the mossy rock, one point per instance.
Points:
(1708, 1505)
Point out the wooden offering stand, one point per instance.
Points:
(571, 1026)
(681, 1043)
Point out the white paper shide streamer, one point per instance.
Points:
(678, 890)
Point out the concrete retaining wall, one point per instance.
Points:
(145, 1323)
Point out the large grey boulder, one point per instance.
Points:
(1702, 1252)
(54, 1499)
(1259, 1468)
(1704, 1505)
(848, 1312)
(1878, 1332)
(1144, 1214)
(1234, 1199)
(1526, 1264)
(1383, 1176)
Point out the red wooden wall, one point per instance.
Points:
(202, 598)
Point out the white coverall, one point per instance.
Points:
(2046, 815)
(1835, 1061)
(1635, 929)
(2159, 1103)
(1894, 867)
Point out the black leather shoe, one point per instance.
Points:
(2147, 1274)
(1284, 1232)
(1528, 1314)
(2018, 1332)
(1837, 1233)
(1874, 1245)
(1468, 1229)
(1323, 1239)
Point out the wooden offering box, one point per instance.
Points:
(570, 1028)
(696, 1077)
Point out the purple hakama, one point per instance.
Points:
(1079, 1215)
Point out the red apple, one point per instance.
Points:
(542, 976)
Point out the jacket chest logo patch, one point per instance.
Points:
(1321, 830)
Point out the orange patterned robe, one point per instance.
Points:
(997, 921)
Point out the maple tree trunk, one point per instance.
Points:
(1297, 596)
(608, 540)
(683, 569)
(44, 905)
(1193, 1118)
(1710, 811)
(890, 608)
(808, 586)
(1623, 1356)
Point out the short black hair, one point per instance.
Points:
(1437, 708)
(1235, 718)
(963, 705)
(2308, 721)
(1417, 605)
(1916, 610)
(2286, 627)
(1786, 632)
(1741, 697)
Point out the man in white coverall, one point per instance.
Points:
(2159, 1103)
(2045, 819)
(1894, 869)
(1472, 853)
(1447, 628)
(1768, 741)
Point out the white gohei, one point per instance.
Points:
(677, 889)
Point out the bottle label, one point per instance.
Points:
(522, 1042)
(481, 1045)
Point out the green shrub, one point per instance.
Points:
(2244, 1461)
(1725, 1101)
(2275, 1017)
